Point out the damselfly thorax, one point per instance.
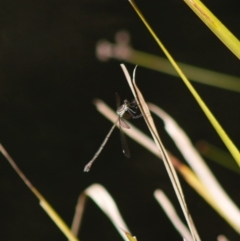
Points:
(121, 110)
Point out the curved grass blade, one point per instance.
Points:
(105, 202)
(170, 211)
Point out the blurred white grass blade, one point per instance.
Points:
(123, 51)
(149, 144)
(168, 164)
(43, 202)
(134, 133)
(222, 238)
(106, 203)
(172, 215)
(227, 206)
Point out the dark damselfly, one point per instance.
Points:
(127, 110)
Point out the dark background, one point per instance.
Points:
(49, 76)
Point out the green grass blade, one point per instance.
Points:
(128, 54)
(226, 140)
(215, 25)
(217, 155)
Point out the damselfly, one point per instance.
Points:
(127, 110)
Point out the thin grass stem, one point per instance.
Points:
(44, 204)
(168, 164)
